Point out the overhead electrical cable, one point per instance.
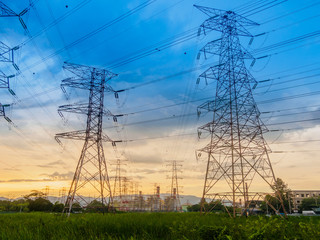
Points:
(94, 32)
(261, 8)
(292, 12)
(56, 21)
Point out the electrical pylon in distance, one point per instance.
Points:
(118, 185)
(91, 175)
(174, 204)
(237, 152)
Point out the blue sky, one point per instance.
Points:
(30, 154)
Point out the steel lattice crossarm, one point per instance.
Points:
(210, 73)
(5, 80)
(214, 73)
(84, 76)
(208, 106)
(213, 47)
(81, 135)
(219, 17)
(7, 54)
(237, 152)
(5, 11)
(210, 48)
(83, 108)
(84, 83)
(3, 112)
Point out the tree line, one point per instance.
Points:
(310, 203)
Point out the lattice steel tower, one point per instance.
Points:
(119, 185)
(7, 53)
(6, 56)
(91, 175)
(237, 152)
(174, 203)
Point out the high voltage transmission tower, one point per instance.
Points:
(237, 152)
(62, 194)
(174, 203)
(91, 175)
(7, 54)
(118, 186)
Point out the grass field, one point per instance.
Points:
(154, 226)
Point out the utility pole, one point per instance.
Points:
(237, 152)
(91, 175)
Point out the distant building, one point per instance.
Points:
(184, 207)
(299, 195)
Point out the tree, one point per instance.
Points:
(214, 205)
(58, 207)
(309, 203)
(20, 205)
(280, 188)
(96, 206)
(40, 204)
(76, 207)
(34, 194)
(194, 208)
(5, 205)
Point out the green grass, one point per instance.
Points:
(154, 226)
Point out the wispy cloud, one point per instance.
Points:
(145, 158)
(149, 171)
(60, 176)
(25, 180)
(11, 169)
(56, 176)
(53, 164)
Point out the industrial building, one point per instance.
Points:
(299, 195)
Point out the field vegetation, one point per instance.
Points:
(155, 226)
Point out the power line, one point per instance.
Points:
(56, 21)
(125, 30)
(299, 141)
(292, 12)
(94, 32)
(264, 7)
(295, 121)
(208, 98)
